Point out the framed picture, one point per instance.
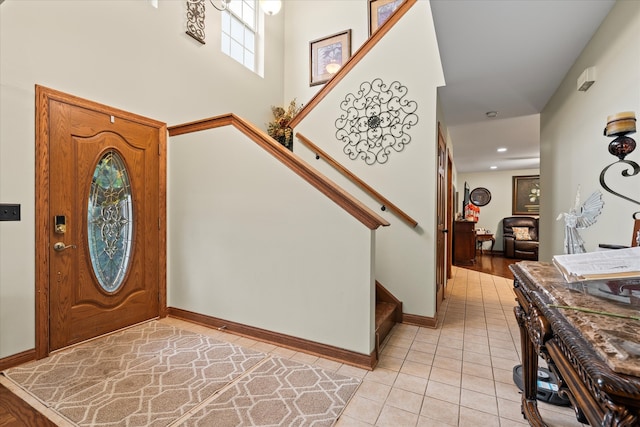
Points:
(526, 195)
(327, 55)
(380, 11)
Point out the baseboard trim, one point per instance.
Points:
(424, 321)
(299, 344)
(17, 359)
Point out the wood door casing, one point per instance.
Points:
(72, 135)
(441, 219)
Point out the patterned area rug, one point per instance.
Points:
(279, 392)
(157, 375)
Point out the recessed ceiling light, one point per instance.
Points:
(491, 114)
(493, 167)
(501, 150)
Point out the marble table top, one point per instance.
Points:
(615, 339)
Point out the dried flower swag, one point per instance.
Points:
(279, 128)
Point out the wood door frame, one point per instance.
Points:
(43, 223)
(450, 207)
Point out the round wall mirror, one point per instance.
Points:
(480, 196)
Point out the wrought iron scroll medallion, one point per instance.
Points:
(375, 121)
(195, 19)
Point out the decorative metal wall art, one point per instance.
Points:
(375, 121)
(195, 19)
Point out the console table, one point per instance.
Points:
(595, 357)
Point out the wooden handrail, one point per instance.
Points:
(351, 62)
(330, 189)
(386, 204)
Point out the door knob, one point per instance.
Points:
(60, 246)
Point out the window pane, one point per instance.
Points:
(237, 51)
(249, 16)
(226, 44)
(249, 40)
(249, 60)
(226, 22)
(236, 7)
(237, 30)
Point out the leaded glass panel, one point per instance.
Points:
(110, 221)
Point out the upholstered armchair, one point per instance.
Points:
(520, 234)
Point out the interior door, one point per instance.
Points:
(441, 219)
(104, 221)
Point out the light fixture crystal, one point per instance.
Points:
(501, 150)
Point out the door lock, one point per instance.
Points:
(60, 246)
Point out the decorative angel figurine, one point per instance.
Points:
(579, 217)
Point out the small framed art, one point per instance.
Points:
(327, 55)
(526, 195)
(380, 11)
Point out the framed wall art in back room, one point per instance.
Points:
(526, 195)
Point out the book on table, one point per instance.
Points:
(600, 265)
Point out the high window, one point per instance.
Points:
(239, 32)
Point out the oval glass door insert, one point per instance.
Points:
(110, 221)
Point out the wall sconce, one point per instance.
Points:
(619, 126)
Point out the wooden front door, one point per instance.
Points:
(104, 225)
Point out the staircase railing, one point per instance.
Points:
(330, 189)
(386, 204)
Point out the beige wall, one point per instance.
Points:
(126, 54)
(405, 257)
(265, 248)
(573, 149)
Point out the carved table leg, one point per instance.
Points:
(529, 373)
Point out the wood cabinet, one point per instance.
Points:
(464, 242)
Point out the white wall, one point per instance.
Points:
(573, 149)
(500, 184)
(405, 257)
(264, 248)
(126, 54)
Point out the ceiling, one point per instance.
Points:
(510, 57)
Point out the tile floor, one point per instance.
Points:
(459, 374)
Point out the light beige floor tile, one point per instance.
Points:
(478, 384)
(382, 375)
(390, 362)
(309, 359)
(283, 352)
(373, 391)
(473, 418)
(445, 376)
(416, 369)
(424, 347)
(438, 410)
(405, 400)
(445, 392)
(420, 357)
(393, 351)
(448, 352)
(508, 391)
(347, 421)
(479, 401)
(352, 371)
(394, 417)
(411, 383)
(364, 410)
(447, 363)
(330, 365)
